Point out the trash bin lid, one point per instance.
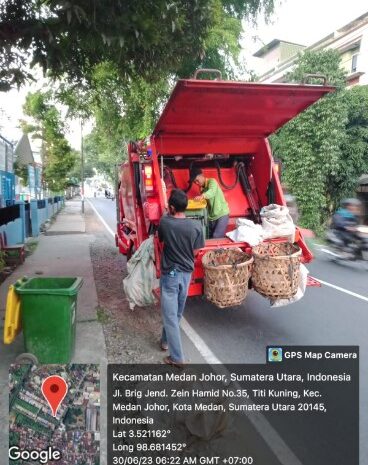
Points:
(49, 285)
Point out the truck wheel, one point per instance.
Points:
(26, 358)
(131, 252)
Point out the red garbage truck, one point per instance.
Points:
(222, 127)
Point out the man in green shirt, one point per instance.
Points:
(218, 209)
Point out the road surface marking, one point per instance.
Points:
(277, 445)
(329, 252)
(199, 343)
(341, 289)
(102, 220)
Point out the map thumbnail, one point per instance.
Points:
(75, 431)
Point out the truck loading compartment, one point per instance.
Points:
(229, 172)
(221, 127)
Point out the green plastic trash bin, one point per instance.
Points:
(48, 309)
(199, 214)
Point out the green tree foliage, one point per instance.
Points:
(125, 109)
(310, 145)
(146, 38)
(354, 148)
(325, 149)
(58, 158)
(21, 171)
(118, 60)
(76, 173)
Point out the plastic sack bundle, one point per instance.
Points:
(247, 231)
(300, 293)
(277, 222)
(141, 279)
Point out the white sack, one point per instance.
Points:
(141, 279)
(277, 222)
(247, 231)
(300, 292)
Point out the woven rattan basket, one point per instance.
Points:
(276, 269)
(227, 272)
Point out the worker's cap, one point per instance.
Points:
(194, 172)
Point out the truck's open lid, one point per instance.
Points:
(203, 108)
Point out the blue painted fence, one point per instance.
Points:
(24, 219)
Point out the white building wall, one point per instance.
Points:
(363, 58)
(360, 34)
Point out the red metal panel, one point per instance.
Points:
(152, 210)
(313, 282)
(160, 185)
(222, 108)
(126, 192)
(186, 144)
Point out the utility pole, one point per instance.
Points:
(82, 168)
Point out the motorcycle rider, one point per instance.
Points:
(345, 221)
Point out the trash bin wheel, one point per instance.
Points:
(26, 358)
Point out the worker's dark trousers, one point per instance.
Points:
(218, 227)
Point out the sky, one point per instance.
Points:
(300, 21)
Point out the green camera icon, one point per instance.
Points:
(275, 354)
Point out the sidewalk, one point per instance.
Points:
(62, 251)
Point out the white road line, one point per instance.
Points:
(199, 343)
(274, 441)
(102, 220)
(341, 289)
(329, 252)
(260, 423)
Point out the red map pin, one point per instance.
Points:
(54, 389)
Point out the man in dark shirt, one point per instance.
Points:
(181, 236)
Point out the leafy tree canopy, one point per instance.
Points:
(118, 60)
(58, 158)
(324, 149)
(125, 109)
(354, 148)
(146, 38)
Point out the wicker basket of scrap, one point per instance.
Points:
(227, 273)
(276, 269)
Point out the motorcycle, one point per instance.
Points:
(109, 195)
(356, 250)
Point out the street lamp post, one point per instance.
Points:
(82, 168)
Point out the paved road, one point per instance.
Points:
(325, 316)
(107, 209)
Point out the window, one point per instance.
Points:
(354, 63)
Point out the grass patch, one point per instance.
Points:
(31, 246)
(102, 316)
